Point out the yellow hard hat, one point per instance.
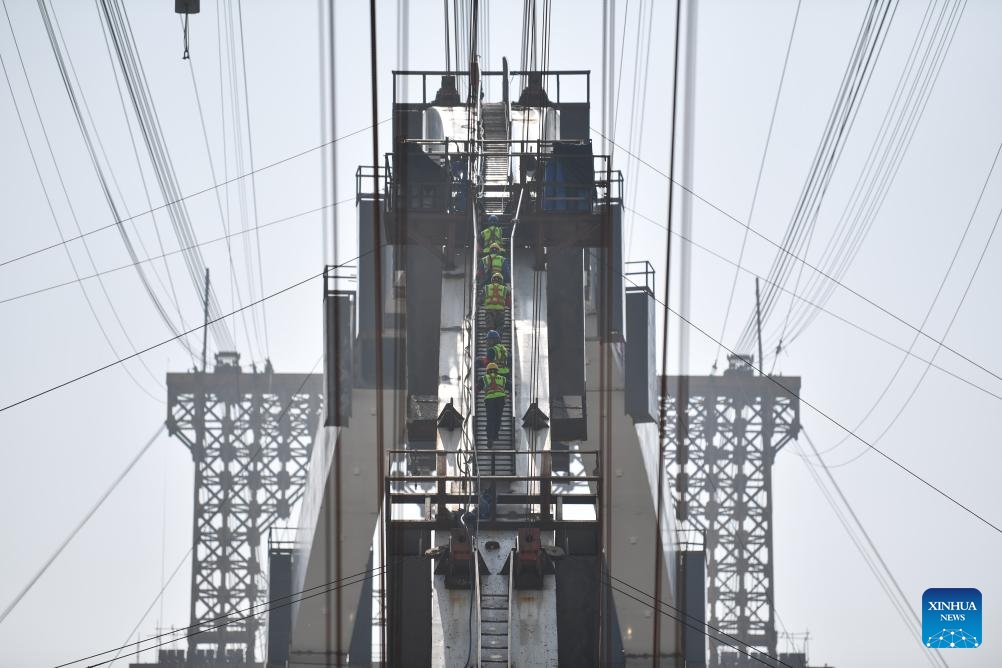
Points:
(492, 366)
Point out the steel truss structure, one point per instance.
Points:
(731, 428)
(250, 436)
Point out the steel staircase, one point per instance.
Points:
(495, 161)
(498, 457)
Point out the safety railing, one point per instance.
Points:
(540, 494)
(372, 182)
(335, 274)
(690, 540)
(540, 175)
(401, 461)
(569, 86)
(479, 608)
(507, 123)
(511, 599)
(282, 537)
(639, 275)
(422, 86)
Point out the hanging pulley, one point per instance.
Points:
(186, 7)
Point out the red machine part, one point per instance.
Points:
(459, 545)
(530, 550)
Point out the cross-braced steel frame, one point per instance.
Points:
(250, 436)
(731, 428)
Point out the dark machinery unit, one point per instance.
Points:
(641, 390)
(339, 353)
(565, 307)
(388, 343)
(279, 589)
(408, 620)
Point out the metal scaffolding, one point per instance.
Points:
(731, 428)
(250, 436)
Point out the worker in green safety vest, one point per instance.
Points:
(493, 262)
(495, 387)
(492, 233)
(497, 352)
(496, 298)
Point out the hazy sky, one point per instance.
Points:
(63, 449)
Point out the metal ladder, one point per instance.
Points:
(495, 620)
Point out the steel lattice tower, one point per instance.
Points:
(734, 425)
(250, 436)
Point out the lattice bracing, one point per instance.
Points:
(733, 425)
(250, 436)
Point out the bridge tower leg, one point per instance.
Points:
(250, 436)
(736, 423)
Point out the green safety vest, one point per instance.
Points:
(492, 264)
(492, 235)
(494, 297)
(494, 386)
(500, 357)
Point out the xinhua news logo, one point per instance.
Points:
(951, 618)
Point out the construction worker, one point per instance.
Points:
(492, 232)
(497, 352)
(493, 262)
(495, 393)
(496, 298)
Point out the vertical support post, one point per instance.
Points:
(768, 457)
(205, 320)
(377, 241)
(663, 409)
(198, 455)
(758, 327)
(442, 471)
(688, 136)
(546, 484)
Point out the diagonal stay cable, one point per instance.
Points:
(799, 297)
(685, 614)
(69, 203)
(185, 333)
(167, 254)
(80, 525)
(208, 189)
(901, 607)
(757, 656)
(758, 179)
(901, 597)
(932, 306)
(807, 264)
(835, 422)
(939, 346)
(251, 610)
(158, 597)
(329, 587)
(106, 173)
